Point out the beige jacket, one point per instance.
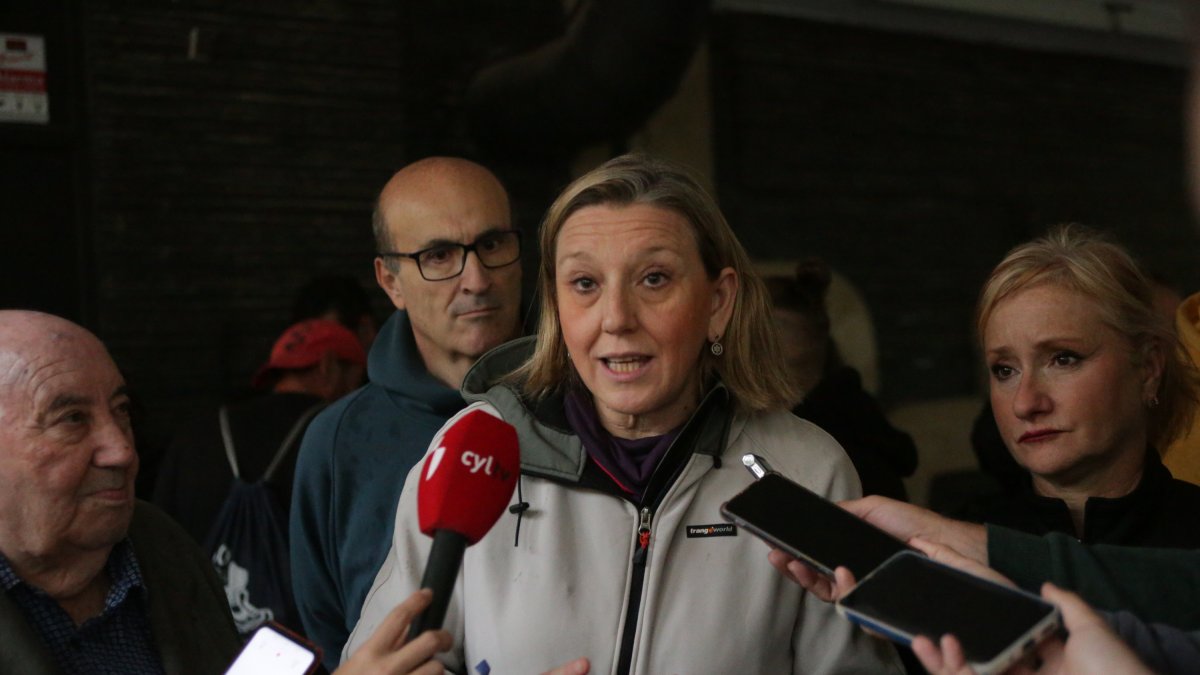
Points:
(708, 605)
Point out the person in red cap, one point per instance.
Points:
(311, 364)
(319, 357)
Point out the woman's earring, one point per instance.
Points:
(717, 348)
(1153, 402)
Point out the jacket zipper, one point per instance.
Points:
(636, 581)
(656, 491)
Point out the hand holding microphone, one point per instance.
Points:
(466, 483)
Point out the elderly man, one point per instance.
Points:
(93, 580)
(448, 261)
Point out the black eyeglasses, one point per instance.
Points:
(448, 260)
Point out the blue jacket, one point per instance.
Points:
(351, 467)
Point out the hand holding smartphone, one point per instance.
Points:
(275, 650)
(901, 593)
(809, 527)
(911, 595)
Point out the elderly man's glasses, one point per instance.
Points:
(446, 261)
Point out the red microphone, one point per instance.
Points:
(466, 483)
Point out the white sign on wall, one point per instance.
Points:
(23, 95)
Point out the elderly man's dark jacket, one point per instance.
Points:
(189, 616)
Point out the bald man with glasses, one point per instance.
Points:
(448, 259)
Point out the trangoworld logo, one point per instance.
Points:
(716, 530)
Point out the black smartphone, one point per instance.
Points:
(911, 595)
(275, 650)
(809, 527)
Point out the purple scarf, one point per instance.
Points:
(629, 462)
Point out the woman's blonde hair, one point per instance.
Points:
(1086, 262)
(749, 366)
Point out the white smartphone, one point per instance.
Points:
(275, 650)
(911, 595)
(809, 527)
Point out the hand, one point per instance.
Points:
(907, 521)
(814, 582)
(576, 667)
(948, 556)
(385, 651)
(948, 660)
(1092, 646)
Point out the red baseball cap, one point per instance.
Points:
(302, 346)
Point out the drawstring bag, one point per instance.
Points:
(248, 541)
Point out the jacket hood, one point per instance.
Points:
(495, 365)
(548, 447)
(395, 364)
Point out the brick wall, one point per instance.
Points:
(236, 150)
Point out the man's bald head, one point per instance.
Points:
(430, 184)
(25, 335)
(449, 210)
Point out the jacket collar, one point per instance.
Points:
(1104, 517)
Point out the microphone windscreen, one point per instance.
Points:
(468, 479)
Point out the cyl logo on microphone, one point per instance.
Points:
(476, 462)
